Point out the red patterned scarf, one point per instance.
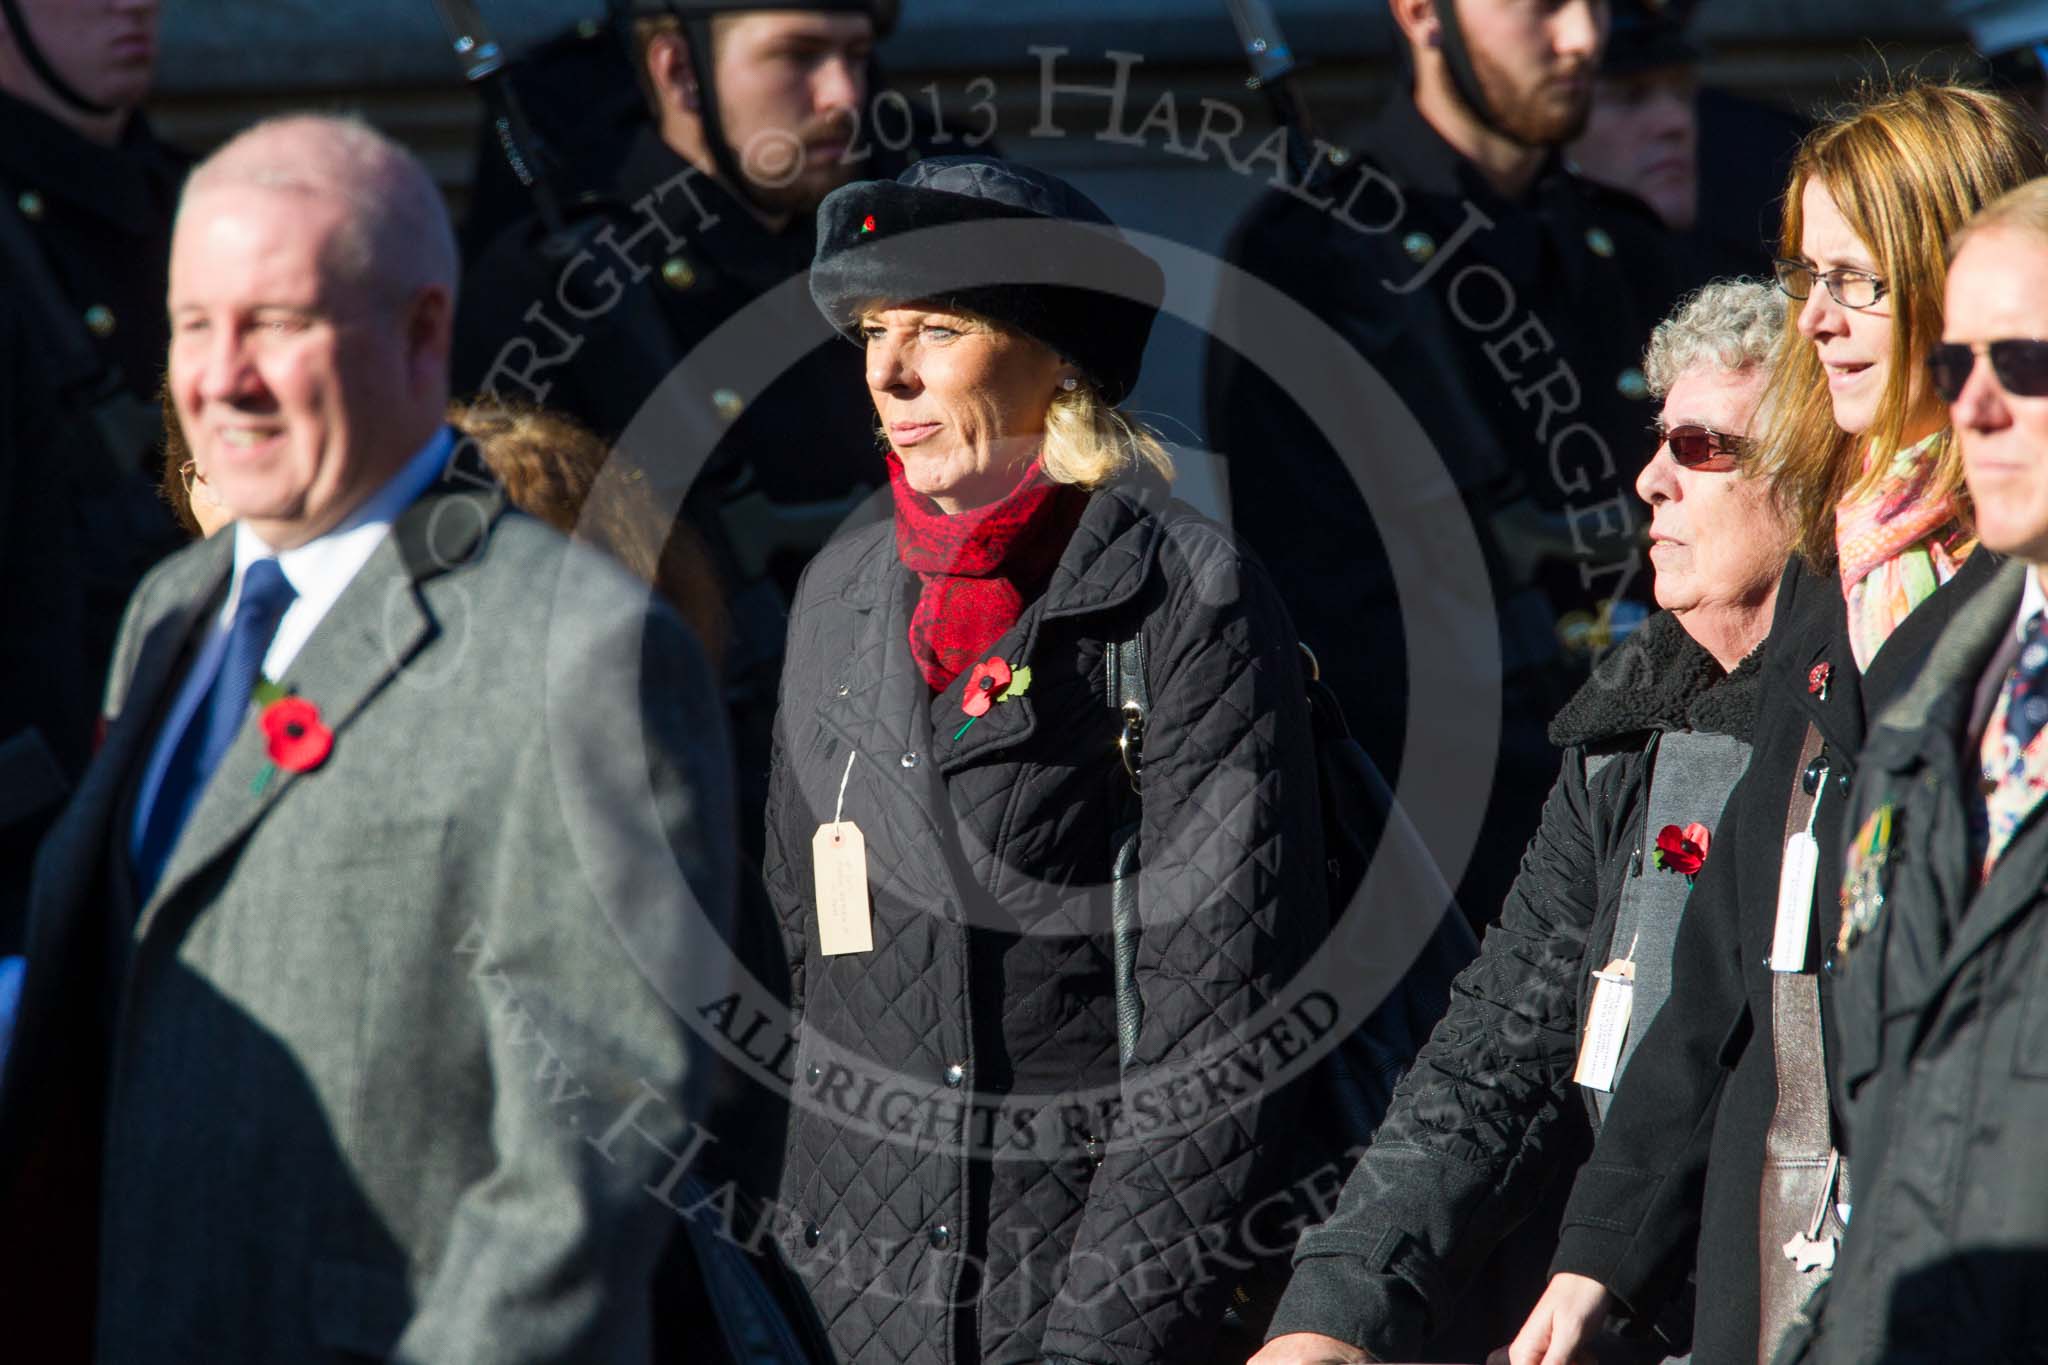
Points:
(978, 567)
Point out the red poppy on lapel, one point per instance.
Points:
(1683, 851)
(1817, 681)
(296, 740)
(990, 677)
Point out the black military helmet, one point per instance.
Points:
(883, 12)
(860, 261)
(38, 62)
(696, 17)
(1648, 34)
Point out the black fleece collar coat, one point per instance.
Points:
(1439, 1239)
(1680, 1157)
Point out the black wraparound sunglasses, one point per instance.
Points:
(2021, 366)
(1702, 448)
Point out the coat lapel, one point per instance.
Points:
(1104, 566)
(366, 639)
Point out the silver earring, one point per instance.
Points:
(1070, 383)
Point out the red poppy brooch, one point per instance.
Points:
(294, 736)
(992, 680)
(1683, 851)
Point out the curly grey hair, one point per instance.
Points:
(1731, 324)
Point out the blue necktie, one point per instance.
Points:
(2027, 710)
(266, 595)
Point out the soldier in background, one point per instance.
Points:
(1507, 301)
(748, 118)
(1711, 164)
(87, 192)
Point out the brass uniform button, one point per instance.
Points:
(99, 320)
(31, 205)
(1632, 384)
(1599, 242)
(678, 273)
(1420, 246)
(728, 403)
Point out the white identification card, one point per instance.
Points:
(1795, 903)
(839, 854)
(1614, 998)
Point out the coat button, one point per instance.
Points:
(678, 273)
(811, 1234)
(941, 1236)
(31, 205)
(99, 320)
(728, 402)
(813, 1073)
(1598, 242)
(955, 1074)
(1420, 246)
(909, 759)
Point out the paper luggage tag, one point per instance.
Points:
(1614, 998)
(839, 852)
(1795, 896)
(839, 861)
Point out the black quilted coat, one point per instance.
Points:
(969, 1175)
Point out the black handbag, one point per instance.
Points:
(1354, 1083)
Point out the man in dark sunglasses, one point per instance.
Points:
(1942, 964)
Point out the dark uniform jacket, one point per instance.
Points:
(1680, 1157)
(80, 517)
(1514, 333)
(1490, 1117)
(1941, 1015)
(1093, 1232)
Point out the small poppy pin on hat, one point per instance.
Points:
(867, 225)
(991, 681)
(1817, 681)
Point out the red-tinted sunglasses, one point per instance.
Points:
(1701, 448)
(2021, 367)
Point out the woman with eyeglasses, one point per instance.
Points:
(1720, 1156)
(1502, 1102)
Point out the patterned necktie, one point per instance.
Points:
(266, 595)
(2028, 709)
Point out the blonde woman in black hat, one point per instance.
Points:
(973, 1172)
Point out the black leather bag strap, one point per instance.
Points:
(1129, 699)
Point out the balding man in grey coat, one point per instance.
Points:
(353, 1025)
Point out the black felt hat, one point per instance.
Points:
(1019, 246)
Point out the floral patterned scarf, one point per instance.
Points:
(1894, 548)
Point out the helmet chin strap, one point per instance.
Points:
(1464, 76)
(25, 42)
(703, 67)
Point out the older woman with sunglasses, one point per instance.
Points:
(1502, 1101)
(1728, 1092)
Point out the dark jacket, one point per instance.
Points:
(1941, 1012)
(1513, 332)
(968, 1176)
(1490, 1116)
(1680, 1157)
(80, 516)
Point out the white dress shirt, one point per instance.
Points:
(318, 571)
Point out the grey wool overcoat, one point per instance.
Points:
(381, 1067)
(972, 1176)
